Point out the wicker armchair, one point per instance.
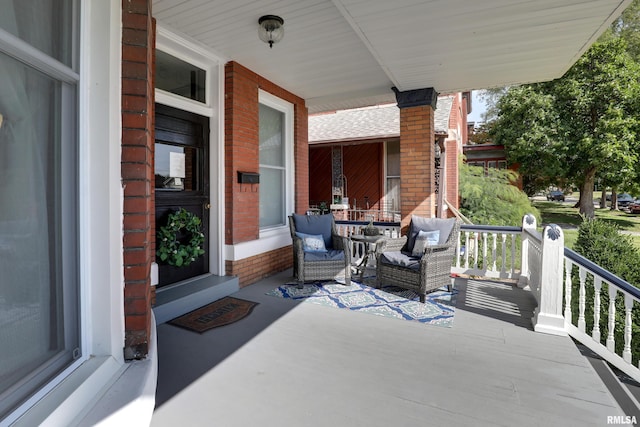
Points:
(319, 265)
(397, 266)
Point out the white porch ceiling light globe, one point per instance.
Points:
(271, 29)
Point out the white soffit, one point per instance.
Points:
(349, 53)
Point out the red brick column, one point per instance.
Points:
(138, 42)
(417, 153)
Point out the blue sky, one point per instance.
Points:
(478, 107)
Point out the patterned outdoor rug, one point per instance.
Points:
(389, 301)
(219, 313)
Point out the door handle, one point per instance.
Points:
(207, 205)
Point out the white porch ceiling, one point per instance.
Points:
(349, 53)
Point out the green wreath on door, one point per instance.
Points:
(172, 251)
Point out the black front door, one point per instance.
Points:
(182, 180)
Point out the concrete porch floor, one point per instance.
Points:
(296, 364)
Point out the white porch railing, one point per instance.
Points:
(488, 251)
(569, 290)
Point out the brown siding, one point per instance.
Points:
(362, 168)
(320, 175)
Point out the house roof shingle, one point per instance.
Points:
(382, 121)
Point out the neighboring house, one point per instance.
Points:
(485, 155)
(488, 155)
(113, 114)
(355, 155)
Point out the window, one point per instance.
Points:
(39, 306)
(392, 196)
(179, 77)
(276, 164)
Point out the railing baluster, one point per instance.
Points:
(628, 305)
(597, 284)
(503, 267)
(475, 250)
(467, 248)
(494, 253)
(484, 251)
(567, 291)
(582, 299)
(458, 251)
(513, 253)
(611, 341)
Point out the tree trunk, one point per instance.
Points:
(586, 193)
(603, 198)
(614, 199)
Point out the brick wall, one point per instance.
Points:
(417, 162)
(250, 270)
(138, 41)
(452, 171)
(241, 154)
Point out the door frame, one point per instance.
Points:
(213, 108)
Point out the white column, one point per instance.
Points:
(548, 318)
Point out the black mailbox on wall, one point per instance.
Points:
(248, 177)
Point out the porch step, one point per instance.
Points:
(181, 298)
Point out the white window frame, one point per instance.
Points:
(213, 64)
(100, 198)
(279, 104)
(387, 176)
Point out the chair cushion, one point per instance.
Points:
(429, 224)
(314, 225)
(330, 255)
(424, 239)
(312, 243)
(400, 259)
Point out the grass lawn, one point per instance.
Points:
(567, 217)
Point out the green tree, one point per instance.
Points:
(489, 197)
(579, 125)
(627, 27)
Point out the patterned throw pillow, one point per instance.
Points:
(424, 239)
(312, 243)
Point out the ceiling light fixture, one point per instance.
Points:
(271, 29)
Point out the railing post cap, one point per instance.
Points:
(529, 221)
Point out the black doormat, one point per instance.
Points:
(219, 313)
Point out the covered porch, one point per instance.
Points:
(292, 364)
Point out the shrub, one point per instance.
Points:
(490, 198)
(602, 243)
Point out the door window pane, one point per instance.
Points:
(393, 158)
(39, 334)
(392, 196)
(177, 76)
(176, 167)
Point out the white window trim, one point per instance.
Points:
(71, 395)
(287, 108)
(387, 176)
(213, 64)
